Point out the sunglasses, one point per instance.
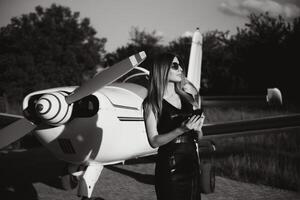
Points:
(175, 66)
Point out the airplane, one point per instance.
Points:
(101, 122)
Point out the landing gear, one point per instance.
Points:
(68, 180)
(85, 177)
(206, 150)
(207, 178)
(88, 180)
(92, 198)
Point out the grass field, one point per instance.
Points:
(270, 159)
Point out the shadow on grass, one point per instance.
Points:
(142, 160)
(143, 178)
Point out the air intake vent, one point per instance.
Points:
(66, 146)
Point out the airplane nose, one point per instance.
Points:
(39, 107)
(53, 109)
(43, 106)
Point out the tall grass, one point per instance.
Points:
(270, 159)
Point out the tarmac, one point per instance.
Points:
(36, 175)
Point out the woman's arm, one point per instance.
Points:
(154, 138)
(157, 140)
(198, 127)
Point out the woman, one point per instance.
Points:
(177, 169)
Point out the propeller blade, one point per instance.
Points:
(15, 131)
(106, 77)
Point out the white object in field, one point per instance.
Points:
(274, 96)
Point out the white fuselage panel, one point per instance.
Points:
(116, 133)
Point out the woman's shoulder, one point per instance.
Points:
(189, 100)
(187, 97)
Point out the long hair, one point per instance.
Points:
(158, 80)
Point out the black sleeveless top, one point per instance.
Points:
(168, 119)
(168, 122)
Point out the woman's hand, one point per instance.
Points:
(200, 123)
(193, 123)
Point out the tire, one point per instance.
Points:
(207, 178)
(92, 198)
(68, 181)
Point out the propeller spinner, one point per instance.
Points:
(53, 109)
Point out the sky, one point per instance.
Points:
(113, 19)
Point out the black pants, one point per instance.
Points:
(177, 172)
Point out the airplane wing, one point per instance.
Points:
(266, 125)
(276, 124)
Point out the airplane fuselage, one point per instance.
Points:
(116, 133)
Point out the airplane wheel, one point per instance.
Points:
(92, 198)
(69, 181)
(207, 178)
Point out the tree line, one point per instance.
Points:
(53, 47)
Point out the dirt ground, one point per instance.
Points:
(35, 175)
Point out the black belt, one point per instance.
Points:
(183, 139)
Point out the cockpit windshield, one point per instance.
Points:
(138, 75)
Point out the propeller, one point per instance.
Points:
(15, 131)
(106, 77)
(56, 108)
